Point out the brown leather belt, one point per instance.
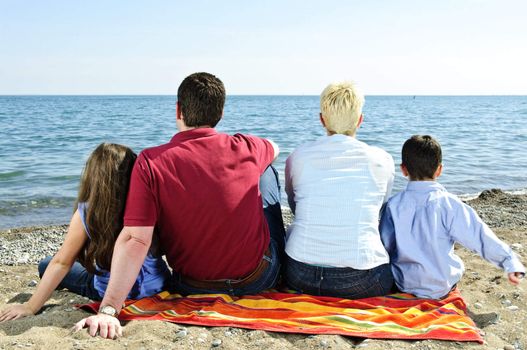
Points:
(231, 283)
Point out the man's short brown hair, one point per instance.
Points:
(201, 97)
(421, 155)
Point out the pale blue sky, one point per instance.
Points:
(265, 47)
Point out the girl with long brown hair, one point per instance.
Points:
(83, 262)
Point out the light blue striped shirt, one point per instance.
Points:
(419, 227)
(336, 186)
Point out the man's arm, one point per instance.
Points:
(129, 254)
(276, 149)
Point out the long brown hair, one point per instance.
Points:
(104, 187)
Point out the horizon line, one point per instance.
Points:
(266, 95)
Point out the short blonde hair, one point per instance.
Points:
(341, 107)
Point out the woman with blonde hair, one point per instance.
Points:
(336, 186)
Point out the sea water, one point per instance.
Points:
(45, 140)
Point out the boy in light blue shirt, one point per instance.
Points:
(420, 225)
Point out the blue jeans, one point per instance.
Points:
(270, 189)
(78, 280)
(342, 282)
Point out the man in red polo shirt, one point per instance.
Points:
(203, 192)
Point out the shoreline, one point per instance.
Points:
(482, 202)
(467, 197)
(498, 308)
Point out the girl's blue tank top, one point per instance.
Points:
(151, 279)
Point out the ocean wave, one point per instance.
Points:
(518, 192)
(64, 178)
(469, 196)
(20, 207)
(11, 174)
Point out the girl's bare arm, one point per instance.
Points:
(57, 269)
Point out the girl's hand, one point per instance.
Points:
(515, 277)
(13, 312)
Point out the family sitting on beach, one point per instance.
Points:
(210, 203)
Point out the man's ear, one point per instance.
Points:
(178, 111)
(322, 120)
(404, 170)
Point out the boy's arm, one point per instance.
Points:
(388, 190)
(387, 229)
(468, 229)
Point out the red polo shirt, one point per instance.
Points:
(201, 192)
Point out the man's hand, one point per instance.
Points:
(129, 254)
(13, 312)
(107, 326)
(515, 277)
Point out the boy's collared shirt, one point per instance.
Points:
(419, 227)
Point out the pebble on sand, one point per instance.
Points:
(32, 283)
(181, 333)
(516, 246)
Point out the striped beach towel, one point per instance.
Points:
(396, 316)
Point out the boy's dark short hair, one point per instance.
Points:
(201, 97)
(421, 155)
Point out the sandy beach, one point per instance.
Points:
(497, 307)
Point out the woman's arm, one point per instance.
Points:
(57, 269)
